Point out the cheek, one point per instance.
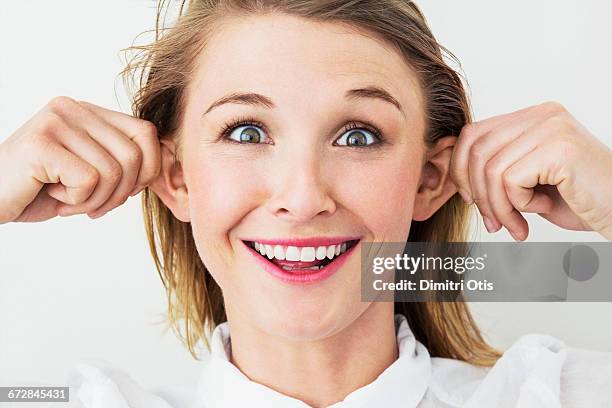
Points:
(383, 197)
(221, 193)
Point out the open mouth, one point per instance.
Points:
(301, 259)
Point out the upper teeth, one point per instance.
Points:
(304, 254)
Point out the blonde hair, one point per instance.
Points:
(161, 71)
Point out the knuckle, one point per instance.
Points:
(91, 176)
(131, 156)
(61, 104)
(477, 152)
(560, 124)
(552, 107)
(113, 172)
(492, 170)
(52, 124)
(508, 179)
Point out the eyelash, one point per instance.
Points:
(230, 126)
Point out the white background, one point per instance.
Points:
(74, 288)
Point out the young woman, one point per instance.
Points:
(271, 139)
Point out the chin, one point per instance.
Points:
(309, 323)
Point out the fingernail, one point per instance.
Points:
(94, 215)
(515, 236)
(488, 224)
(466, 196)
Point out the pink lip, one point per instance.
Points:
(301, 278)
(303, 242)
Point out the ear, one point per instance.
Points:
(170, 185)
(435, 187)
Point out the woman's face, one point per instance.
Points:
(296, 168)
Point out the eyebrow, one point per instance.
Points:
(255, 99)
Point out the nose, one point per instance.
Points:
(300, 191)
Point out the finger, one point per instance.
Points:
(469, 135)
(82, 145)
(75, 179)
(481, 152)
(472, 132)
(521, 179)
(141, 132)
(511, 153)
(125, 152)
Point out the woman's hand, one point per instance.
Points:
(73, 158)
(537, 160)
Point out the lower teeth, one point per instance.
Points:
(312, 268)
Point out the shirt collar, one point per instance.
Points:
(403, 383)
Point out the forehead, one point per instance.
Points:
(285, 56)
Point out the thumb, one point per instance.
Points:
(530, 182)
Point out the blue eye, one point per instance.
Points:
(250, 131)
(248, 134)
(357, 138)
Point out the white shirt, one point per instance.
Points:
(536, 371)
